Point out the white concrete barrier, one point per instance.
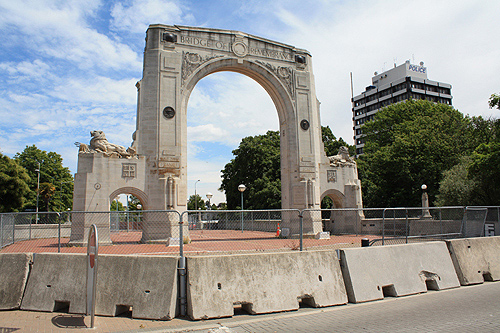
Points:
(370, 273)
(476, 259)
(56, 281)
(262, 283)
(14, 269)
(144, 285)
(147, 285)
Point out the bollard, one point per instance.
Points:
(365, 242)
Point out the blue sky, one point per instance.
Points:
(69, 67)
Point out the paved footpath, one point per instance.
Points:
(466, 309)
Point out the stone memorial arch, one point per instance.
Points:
(175, 59)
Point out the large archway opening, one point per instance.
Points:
(223, 108)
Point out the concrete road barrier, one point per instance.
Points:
(143, 286)
(14, 269)
(57, 281)
(370, 273)
(262, 283)
(476, 259)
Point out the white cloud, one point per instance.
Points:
(207, 133)
(97, 90)
(59, 30)
(138, 14)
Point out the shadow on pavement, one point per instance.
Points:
(69, 321)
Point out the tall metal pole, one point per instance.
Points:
(37, 191)
(195, 197)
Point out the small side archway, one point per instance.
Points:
(336, 196)
(143, 197)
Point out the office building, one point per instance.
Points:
(395, 85)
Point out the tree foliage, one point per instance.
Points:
(195, 202)
(13, 185)
(256, 164)
(456, 188)
(484, 169)
(331, 143)
(475, 180)
(409, 144)
(56, 181)
(494, 101)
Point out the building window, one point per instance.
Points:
(129, 170)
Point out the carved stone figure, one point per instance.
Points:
(99, 144)
(342, 158)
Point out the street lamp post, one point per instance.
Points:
(196, 198)
(425, 202)
(209, 196)
(195, 201)
(242, 189)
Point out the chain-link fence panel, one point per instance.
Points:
(134, 232)
(7, 231)
(474, 221)
(247, 231)
(223, 231)
(409, 225)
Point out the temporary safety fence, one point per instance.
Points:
(228, 231)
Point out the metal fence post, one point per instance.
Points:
(440, 222)
(383, 225)
(30, 227)
(182, 268)
(14, 229)
(242, 220)
(406, 231)
(59, 236)
(301, 229)
(1, 231)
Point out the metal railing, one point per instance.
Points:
(224, 231)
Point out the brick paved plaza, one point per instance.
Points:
(202, 242)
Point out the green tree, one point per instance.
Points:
(116, 206)
(256, 164)
(196, 202)
(456, 188)
(13, 185)
(409, 144)
(484, 169)
(494, 101)
(52, 172)
(331, 143)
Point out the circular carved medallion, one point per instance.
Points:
(168, 112)
(304, 124)
(240, 49)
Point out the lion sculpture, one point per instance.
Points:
(342, 158)
(99, 144)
